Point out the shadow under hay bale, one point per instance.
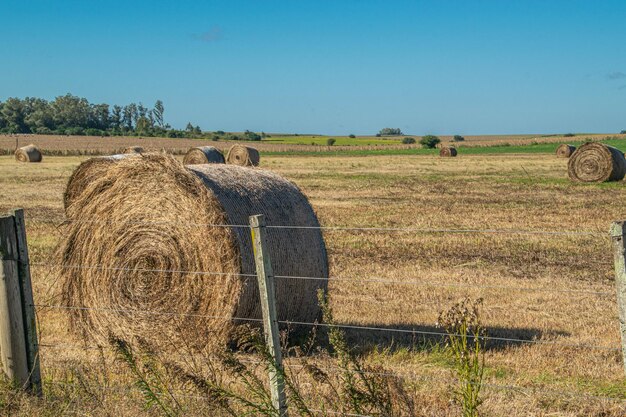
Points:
(171, 272)
(565, 151)
(134, 149)
(596, 162)
(203, 155)
(447, 152)
(28, 153)
(243, 156)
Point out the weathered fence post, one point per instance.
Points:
(18, 331)
(618, 235)
(265, 278)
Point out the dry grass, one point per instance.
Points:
(469, 192)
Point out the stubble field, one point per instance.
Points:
(553, 291)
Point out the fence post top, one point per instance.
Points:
(258, 220)
(618, 229)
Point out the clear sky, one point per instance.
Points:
(334, 67)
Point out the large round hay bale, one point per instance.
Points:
(596, 162)
(159, 267)
(447, 152)
(243, 156)
(565, 151)
(28, 153)
(134, 149)
(86, 172)
(203, 155)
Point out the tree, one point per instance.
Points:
(189, 127)
(408, 141)
(116, 117)
(429, 141)
(197, 130)
(251, 135)
(352, 136)
(13, 114)
(458, 138)
(390, 131)
(71, 111)
(100, 116)
(158, 111)
(38, 115)
(330, 141)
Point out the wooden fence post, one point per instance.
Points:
(267, 292)
(618, 235)
(18, 332)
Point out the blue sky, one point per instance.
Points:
(334, 67)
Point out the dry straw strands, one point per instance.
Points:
(28, 153)
(167, 276)
(447, 152)
(134, 149)
(565, 151)
(243, 156)
(203, 155)
(87, 172)
(596, 162)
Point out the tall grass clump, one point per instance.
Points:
(466, 344)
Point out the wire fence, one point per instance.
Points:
(382, 280)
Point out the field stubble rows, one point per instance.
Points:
(431, 271)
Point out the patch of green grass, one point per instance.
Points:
(537, 148)
(339, 140)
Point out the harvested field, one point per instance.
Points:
(553, 289)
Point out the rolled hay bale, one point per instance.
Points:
(596, 162)
(167, 274)
(28, 153)
(203, 155)
(565, 151)
(243, 156)
(87, 172)
(447, 152)
(134, 149)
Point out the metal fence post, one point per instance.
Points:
(265, 278)
(18, 332)
(618, 235)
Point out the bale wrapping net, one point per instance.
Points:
(28, 153)
(163, 266)
(447, 152)
(134, 149)
(596, 162)
(565, 151)
(203, 155)
(243, 156)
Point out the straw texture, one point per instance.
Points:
(86, 172)
(151, 220)
(447, 152)
(28, 153)
(203, 155)
(596, 162)
(565, 151)
(243, 156)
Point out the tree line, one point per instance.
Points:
(71, 115)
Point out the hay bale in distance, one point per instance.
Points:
(447, 152)
(86, 172)
(28, 153)
(203, 155)
(167, 275)
(134, 149)
(565, 151)
(596, 162)
(243, 156)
